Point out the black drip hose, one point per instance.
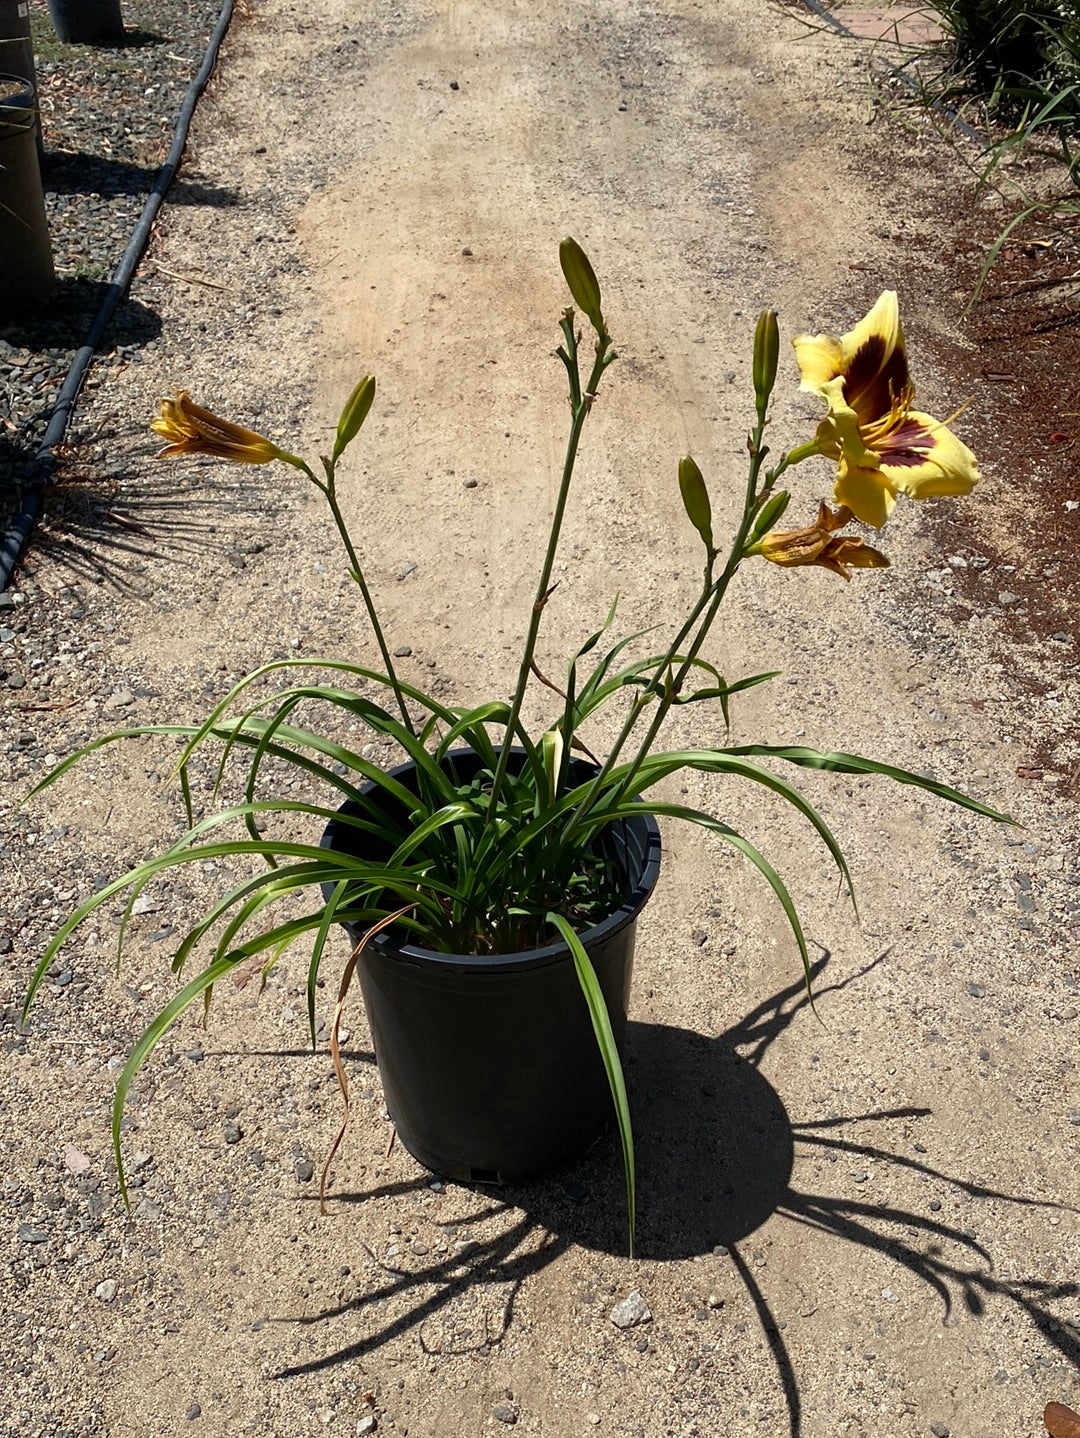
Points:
(897, 72)
(33, 500)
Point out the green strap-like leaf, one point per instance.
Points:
(744, 846)
(840, 763)
(148, 1040)
(725, 761)
(609, 1052)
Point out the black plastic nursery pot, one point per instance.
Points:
(88, 22)
(27, 277)
(489, 1064)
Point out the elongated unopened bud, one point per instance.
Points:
(766, 357)
(581, 281)
(771, 513)
(695, 498)
(354, 413)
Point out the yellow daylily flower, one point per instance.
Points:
(883, 445)
(190, 429)
(820, 544)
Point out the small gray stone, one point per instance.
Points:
(1074, 1119)
(503, 1413)
(403, 651)
(1062, 638)
(469, 483)
(630, 1310)
(367, 1424)
(16, 681)
(106, 1291)
(1007, 597)
(232, 1133)
(935, 1205)
(939, 1430)
(304, 1170)
(121, 699)
(977, 991)
(699, 937)
(194, 1412)
(29, 1234)
(979, 561)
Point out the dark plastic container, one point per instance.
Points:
(489, 1064)
(27, 277)
(17, 52)
(16, 46)
(88, 22)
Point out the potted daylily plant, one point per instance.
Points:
(490, 884)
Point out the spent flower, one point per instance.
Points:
(190, 429)
(820, 544)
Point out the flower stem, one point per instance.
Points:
(708, 603)
(581, 404)
(328, 489)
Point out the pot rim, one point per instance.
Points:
(388, 947)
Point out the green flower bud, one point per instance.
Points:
(695, 498)
(582, 282)
(354, 413)
(771, 512)
(766, 357)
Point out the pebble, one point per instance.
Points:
(304, 1170)
(195, 1411)
(977, 991)
(1074, 1119)
(939, 1430)
(469, 483)
(29, 1234)
(106, 1290)
(403, 651)
(1062, 638)
(630, 1311)
(504, 1413)
(367, 1424)
(232, 1133)
(1007, 597)
(75, 1161)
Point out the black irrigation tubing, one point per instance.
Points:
(33, 501)
(897, 72)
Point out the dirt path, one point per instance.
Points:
(857, 1228)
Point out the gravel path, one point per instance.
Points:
(107, 124)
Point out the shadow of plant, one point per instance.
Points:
(715, 1161)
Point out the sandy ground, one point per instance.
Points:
(858, 1227)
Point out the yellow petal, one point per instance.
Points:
(870, 494)
(926, 460)
(820, 359)
(879, 329)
